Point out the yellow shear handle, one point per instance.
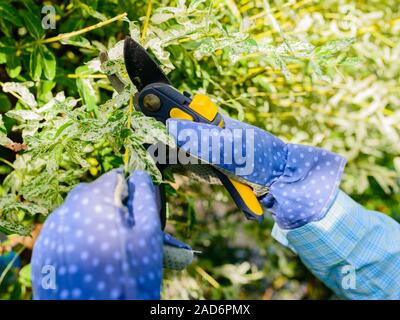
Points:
(242, 194)
(248, 197)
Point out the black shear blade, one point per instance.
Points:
(141, 68)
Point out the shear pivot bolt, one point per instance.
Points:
(152, 102)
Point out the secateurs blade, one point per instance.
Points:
(157, 98)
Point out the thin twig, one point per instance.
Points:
(7, 163)
(126, 155)
(146, 22)
(10, 264)
(208, 277)
(16, 95)
(84, 30)
(86, 76)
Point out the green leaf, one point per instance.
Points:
(4, 140)
(35, 64)
(30, 5)
(3, 56)
(22, 89)
(160, 17)
(33, 24)
(62, 128)
(396, 162)
(91, 11)
(5, 104)
(23, 115)
(282, 66)
(5, 27)
(7, 48)
(351, 61)
(48, 63)
(9, 13)
(86, 90)
(13, 66)
(332, 47)
(25, 276)
(4, 169)
(2, 127)
(8, 227)
(231, 4)
(44, 90)
(78, 41)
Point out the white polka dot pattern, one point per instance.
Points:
(98, 249)
(302, 180)
(307, 188)
(266, 157)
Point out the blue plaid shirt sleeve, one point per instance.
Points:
(354, 251)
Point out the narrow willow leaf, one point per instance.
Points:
(24, 276)
(333, 47)
(21, 88)
(206, 48)
(2, 126)
(44, 93)
(159, 18)
(151, 129)
(297, 47)
(396, 162)
(24, 115)
(134, 30)
(8, 227)
(194, 4)
(5, 103)
(4, 140)
(48, 63)
(86, 89)
(43, 190)
(33, 24)
(78, 41)
(35, 64)
(233, 7)
(9, 203)
(9, 13)
(62, 128)
(351, 61)
(3, 54)
(91, 11)
(282, 66)
(13, 66)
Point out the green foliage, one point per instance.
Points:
(315, 72)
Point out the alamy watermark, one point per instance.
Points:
(48, 281)
(49, 20)
(229, 147)
(349, 280)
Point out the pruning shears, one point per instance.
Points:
(158, 98)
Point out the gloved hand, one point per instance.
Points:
(105, 242)
(296, 183)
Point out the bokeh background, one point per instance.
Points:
(324, 73)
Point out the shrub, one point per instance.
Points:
(314, 72)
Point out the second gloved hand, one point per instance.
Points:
(105, 242)
(296, 183)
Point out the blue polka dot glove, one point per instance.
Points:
(296, 183)
(105, 242)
